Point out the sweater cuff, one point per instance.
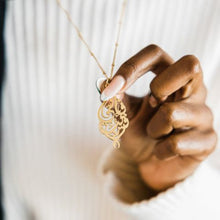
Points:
(197, 197)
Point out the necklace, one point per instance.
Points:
(112, 114)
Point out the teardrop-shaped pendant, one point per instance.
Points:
(113, 120)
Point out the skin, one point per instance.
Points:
(170, 131)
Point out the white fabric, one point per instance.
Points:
(51, 144)
(197, 197)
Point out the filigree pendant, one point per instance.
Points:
(113, 120)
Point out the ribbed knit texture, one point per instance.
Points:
(51, 143)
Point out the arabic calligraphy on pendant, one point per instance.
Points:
(113, 120)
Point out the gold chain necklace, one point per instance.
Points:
(112, 114)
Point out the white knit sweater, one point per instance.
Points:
(51, 144)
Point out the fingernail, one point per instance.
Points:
(152, 101)
(113, 88)
(104, 97)
(98, 84)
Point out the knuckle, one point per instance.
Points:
(211, 142)
(208, 114)
(153, 87)
(203, 91)
(154, 48)
(213, 137)
(192, 64)
(167, 112)
(174, 144)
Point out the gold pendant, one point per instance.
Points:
(113, 120)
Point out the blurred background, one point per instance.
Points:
(51, 145)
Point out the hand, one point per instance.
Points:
(170, 131)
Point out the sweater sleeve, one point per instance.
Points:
(197, 197)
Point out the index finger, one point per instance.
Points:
(151, 58)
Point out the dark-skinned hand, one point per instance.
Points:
(170, 131)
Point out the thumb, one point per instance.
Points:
(132, 104)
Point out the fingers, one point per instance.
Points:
(151, 58)
(190, 143)
(179, 115)
(186, 73)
